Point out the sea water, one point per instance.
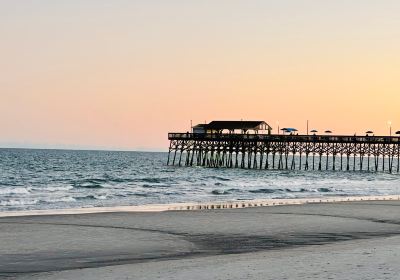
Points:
(51, 179)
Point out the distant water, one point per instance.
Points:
(49, 179)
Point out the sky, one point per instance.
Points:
(122, 74)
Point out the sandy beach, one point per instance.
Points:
(346, 240)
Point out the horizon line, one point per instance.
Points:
(84, 149)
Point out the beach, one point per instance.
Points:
(342, 240)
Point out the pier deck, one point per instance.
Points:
(273, 151)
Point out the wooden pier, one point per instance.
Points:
(269, 151)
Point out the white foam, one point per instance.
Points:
(199, 206)
(18, 190)
(59, 199)
(55, 189)
(18, 202)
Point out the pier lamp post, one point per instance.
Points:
(307, 127)
(277, 123)
(390, 128)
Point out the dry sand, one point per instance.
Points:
(351, 240)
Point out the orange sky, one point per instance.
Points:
(120, 75)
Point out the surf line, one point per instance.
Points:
(190, 206)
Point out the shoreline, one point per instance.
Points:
(192, 206)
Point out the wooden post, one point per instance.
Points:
(398, 157)
(169, 151)
(176, 148)
(180, 155)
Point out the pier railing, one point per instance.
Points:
(284, 138)
(273, 151)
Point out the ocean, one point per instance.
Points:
(55, 179)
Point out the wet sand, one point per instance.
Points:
(348, 240)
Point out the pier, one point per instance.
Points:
(211, 147)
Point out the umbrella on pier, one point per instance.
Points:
(369, 132)
(313, 131)
(284, 130)
(398, 132)
(328, 131)
(289, 129)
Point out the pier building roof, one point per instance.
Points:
(243, 125)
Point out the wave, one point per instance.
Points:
(147, 186)
(220, 192)
(59, 199)
(112, 179)
(266, 191)
(18, 202)
(141, 194)
(91, 197)
(151, 180)
(99, 182)
(324, 190)
(89, 184)
(119, 180)
(287, 190)
(7, 184)
(53, 189)
(8, 191)
(219, 178)
(302, 190)
(167, 171)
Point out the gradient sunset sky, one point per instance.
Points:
(122, 74)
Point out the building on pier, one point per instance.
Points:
(231, 127)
